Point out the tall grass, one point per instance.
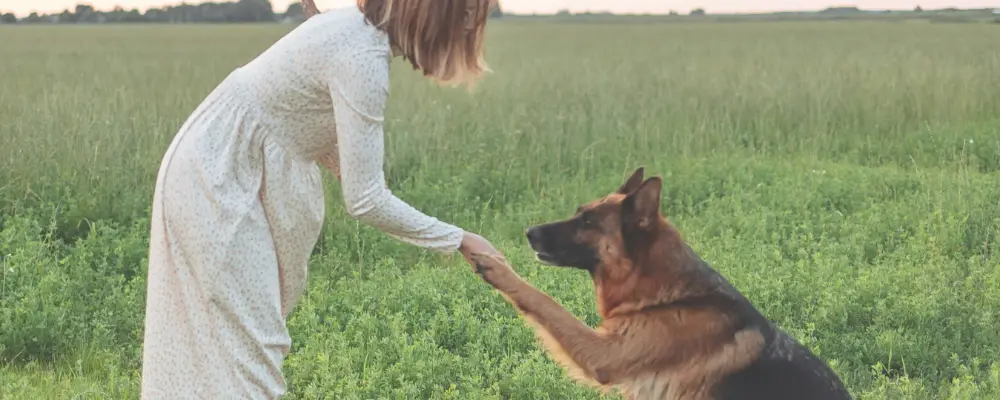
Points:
(844, 175)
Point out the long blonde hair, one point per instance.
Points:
(441, 38)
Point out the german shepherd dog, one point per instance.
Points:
(673, 328)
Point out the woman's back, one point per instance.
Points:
(294, 83)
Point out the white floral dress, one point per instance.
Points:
(238, 207)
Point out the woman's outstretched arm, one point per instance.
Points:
(359, 87)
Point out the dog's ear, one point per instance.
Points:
(633, 182)
(642, 206)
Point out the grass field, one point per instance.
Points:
(844, 175)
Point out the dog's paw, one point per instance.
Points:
(493, 268)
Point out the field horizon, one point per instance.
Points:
(843, 175)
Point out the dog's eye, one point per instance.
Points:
(587, 220)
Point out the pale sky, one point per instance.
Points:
(24, 7)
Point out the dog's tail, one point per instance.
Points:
(309, 8)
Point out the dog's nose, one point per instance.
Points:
(532, 234)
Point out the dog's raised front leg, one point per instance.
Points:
(576, 346)
(603, 357)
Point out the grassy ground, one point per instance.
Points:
(844, 175)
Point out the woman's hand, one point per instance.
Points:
(331, 161)
(473, 243)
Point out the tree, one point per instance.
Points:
(698, 12)
(254, 11)
(497, 12)
(8, 18)
(156, 15)
(134, 16)
(67, 17)
(84, 13)
(295, 11)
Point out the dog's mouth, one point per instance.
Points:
(547, 258)
(543, 256)
(556, 254)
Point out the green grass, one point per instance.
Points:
(844, 175)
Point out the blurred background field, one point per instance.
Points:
(844, 174)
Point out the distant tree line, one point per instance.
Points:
(241, 11)
(244, 11)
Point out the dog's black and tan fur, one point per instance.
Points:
(673, 328)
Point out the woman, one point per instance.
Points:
(238, 202)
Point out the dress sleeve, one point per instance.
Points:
(359, 87)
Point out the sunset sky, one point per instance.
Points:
(24, 7)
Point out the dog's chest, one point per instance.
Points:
(661, 386)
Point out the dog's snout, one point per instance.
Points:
(533, 234)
